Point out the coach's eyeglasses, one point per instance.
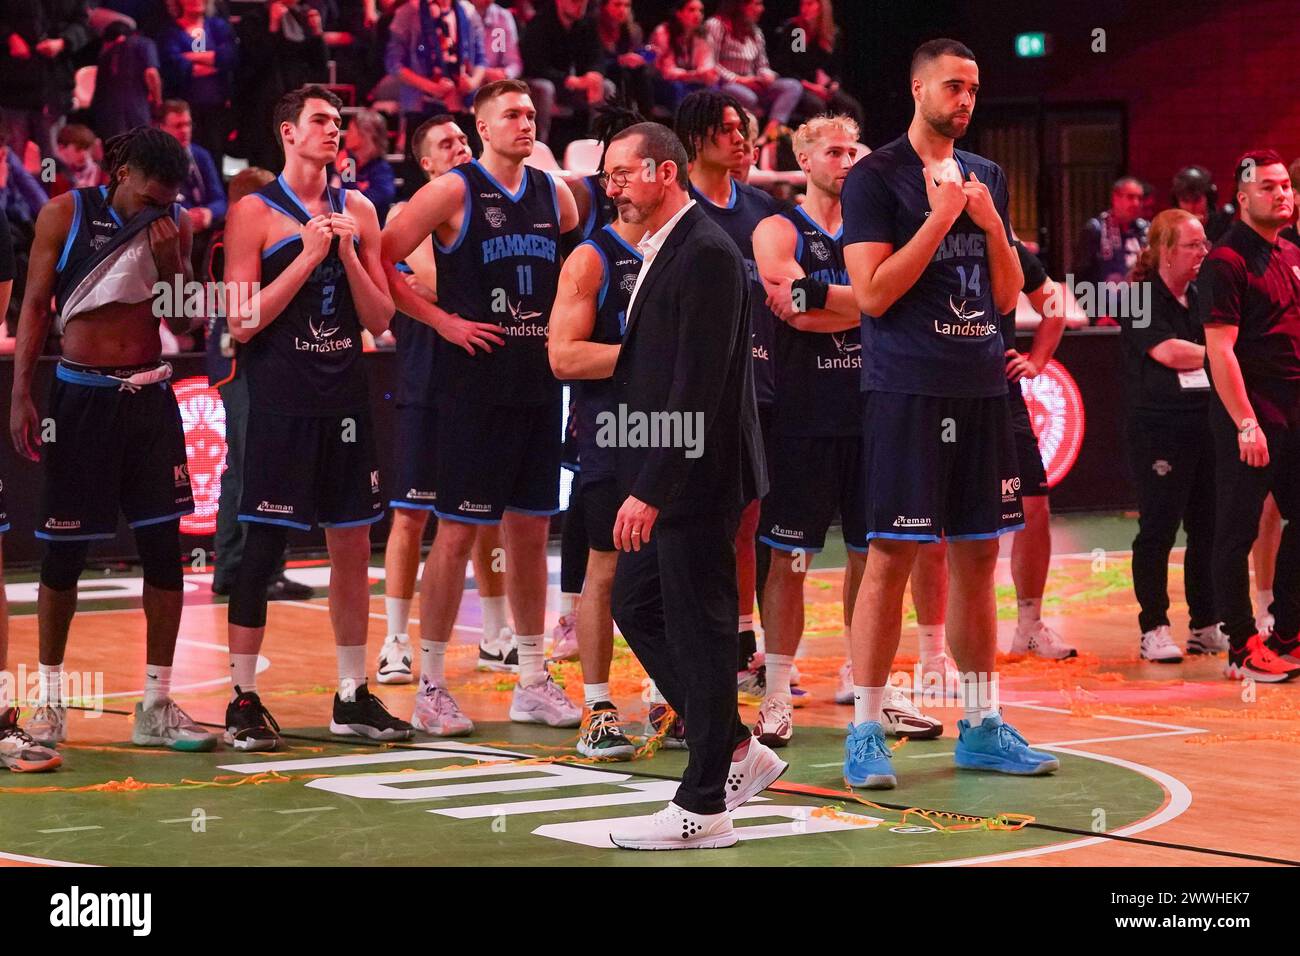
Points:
(619, 177)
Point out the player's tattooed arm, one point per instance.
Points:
(774, 253)
(361, 263)
(573, 317)
(436, 209)
(567, 204)
(251, 306)
(52, 225)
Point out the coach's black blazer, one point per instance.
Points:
(687, 348)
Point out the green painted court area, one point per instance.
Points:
(326, 802)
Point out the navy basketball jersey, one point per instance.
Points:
(817, 372)
(503, 267)
(621, 264)
(94, 224)
(308, 360)
(746, 208)
(600, 208)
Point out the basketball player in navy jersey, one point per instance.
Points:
(814, 454)
(437, 145)
(587, 325)
(928, 249)
(496, 225)
(713, 127)
(302, 266)
(117, 440)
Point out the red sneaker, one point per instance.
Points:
(1257, 662)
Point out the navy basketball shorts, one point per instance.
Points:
(415, 469)
(1033, 476)
(497, 458)
(936, 467)
(811, 481)
(111, 449)
(302, 470)
(600, 504)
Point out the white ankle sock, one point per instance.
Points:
(868, 703)
(1029, 611)
(979, 695)
(433, 663)
(532, 659)
(494, 616)
(931, 638)
(652, 695)
(51, 684)
(243, 673)
(568, 602)
(157, 685)
(352, 669)
(778, 673)
(593, 694)
(398, 612)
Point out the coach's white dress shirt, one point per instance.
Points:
(649, 247)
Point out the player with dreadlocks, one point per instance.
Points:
(112, 435)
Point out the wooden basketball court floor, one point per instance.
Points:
(1161, 765)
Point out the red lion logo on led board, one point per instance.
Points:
(203, 417)
(1056, 412)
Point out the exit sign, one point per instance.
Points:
(1031, 45)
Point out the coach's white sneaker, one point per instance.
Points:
(753, 773)
(1158, 646)
(395, 660)
(1041, 641)
(844, 689)
(673, 828)
(544, 703)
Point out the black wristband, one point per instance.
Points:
(814, 293)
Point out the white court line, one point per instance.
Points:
(205, 819)
(373, 614)
(69, 829)
(1121, 720)
(1180, 798)
(41, 861)
(307, 810)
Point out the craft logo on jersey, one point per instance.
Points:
(1056, 413)
(495, 216)
(819, 249)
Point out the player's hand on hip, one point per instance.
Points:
(1020, 366)
(633, 524)
(471, 335)
(316, 235)
(1252, 445)
(946, 196)
(979, 205)
(25, 428)
(165, 243)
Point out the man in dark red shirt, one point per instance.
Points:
(1250, 289)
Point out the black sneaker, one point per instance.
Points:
(1289, 651)
(249, 725)
(366, 716)
(501, 656)
(285, 589)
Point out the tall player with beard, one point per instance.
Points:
(302, 264)
(927, 246)
(496, 225)
(814, 454)
(438, 144)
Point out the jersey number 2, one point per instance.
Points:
(327, 301)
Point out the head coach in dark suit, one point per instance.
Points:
(688, 456)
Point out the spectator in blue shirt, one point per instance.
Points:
(435, 51)
(362, 164)
(21, 196)
(199, 55)
(128, 83)
(202, 193)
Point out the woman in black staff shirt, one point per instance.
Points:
(1172, 452)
